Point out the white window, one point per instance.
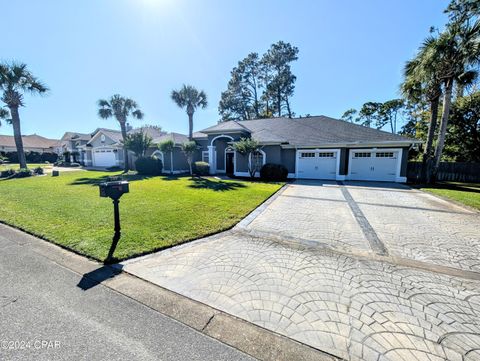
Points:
(258, 158)
(205, 157)
(326, 155)
(102, 138)
(384, 155)
(362, 154)
(307, 155)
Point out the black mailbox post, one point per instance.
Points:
(114, 190)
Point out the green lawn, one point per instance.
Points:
(466, 193)
(157, 213)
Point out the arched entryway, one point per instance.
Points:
(218, 151)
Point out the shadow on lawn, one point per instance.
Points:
(464, 187)
(95, 181)
(217, 186)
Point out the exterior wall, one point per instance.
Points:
(241, 162)
(273, 154)
(179, 160)
(403, 169)
(97, 142)
(289, 157)
(220, 146)
(344, 153)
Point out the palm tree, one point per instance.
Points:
(456, 51)
(4, 115)
(190, 98)
(422, 81)
(168, 146)
(120, 108)
(15, 81)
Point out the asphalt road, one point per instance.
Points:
(44, 315)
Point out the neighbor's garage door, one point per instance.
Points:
(374, 165)
(316, 164)
(104, 158)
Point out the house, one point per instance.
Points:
(31, 143)
(71, 144)
(312, 147)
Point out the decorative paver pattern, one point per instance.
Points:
(326, 289)
(354, 309)
(419, 226)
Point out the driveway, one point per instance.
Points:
(363, 271)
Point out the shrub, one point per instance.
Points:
(273, 172)
(62, 163)
(7, 173)
(38, 171)
(201, 168)
(23, 173)
(149, 166)
(49, 157)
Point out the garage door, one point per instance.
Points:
(104, 158)
(316, 164)
(374, 165)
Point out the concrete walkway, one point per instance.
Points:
(362, 271)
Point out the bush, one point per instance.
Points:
(38, 171)
(149, 166)
(7, 173)
(201, 168)
(23, 173)
(49, 157)
(273, 172)
(62, 163)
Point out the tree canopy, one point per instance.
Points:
(261, 87)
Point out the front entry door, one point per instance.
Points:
(229, 168)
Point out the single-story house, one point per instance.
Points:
(316, 147)
(31, 143)
(310, 147)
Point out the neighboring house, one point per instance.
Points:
(31, 143)
(312, 147)
(71, 146)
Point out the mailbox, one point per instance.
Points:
(114, 189)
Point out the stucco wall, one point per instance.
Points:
(289, 159)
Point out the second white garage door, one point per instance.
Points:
(373, 165)
(316, 164)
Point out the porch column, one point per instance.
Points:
(212, 159)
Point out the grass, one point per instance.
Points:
(157, 213)
(466, 193)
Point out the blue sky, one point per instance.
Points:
(351, 51)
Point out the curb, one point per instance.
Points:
(237, 333)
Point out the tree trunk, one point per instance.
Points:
(447, 99)
(190, 126)
(279, 104)
(171, 161)
(125, 150)
(288, 107)
(427, 153)
(17, 134)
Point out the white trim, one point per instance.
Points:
(338, 176)
(220, 136)
(393, 143)
(264, 157)
(96, 135)
(399, 151)
(161, 156)
(176, 171)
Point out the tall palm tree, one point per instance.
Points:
(190, 98)
(456, 52)
(15, 81)
(120, 108)
(422, 81)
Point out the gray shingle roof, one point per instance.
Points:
(29, 141)
(176, 137)
(309, 131)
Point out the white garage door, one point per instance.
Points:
(313, 164)
(374, 165)
(104, 158)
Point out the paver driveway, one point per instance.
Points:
(325, 264)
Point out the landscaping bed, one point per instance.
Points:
(157, 213)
